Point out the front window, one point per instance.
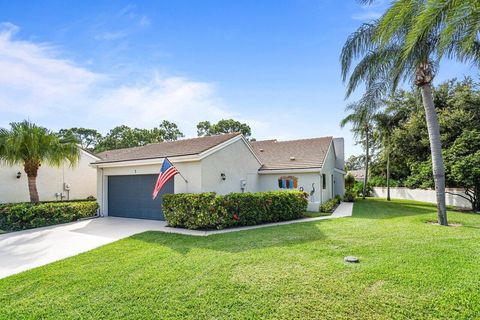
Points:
(289, 182)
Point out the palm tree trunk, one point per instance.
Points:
(32, 188)
(365, 178)
(436, 149)
(31, 169)
(388, 176)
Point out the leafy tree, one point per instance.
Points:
(463, 159)
(355, 162)
(205, 128)
(379, 47)
(88, 138)
(30, 145)
(166, 131)
(126, 137)
(361, 115)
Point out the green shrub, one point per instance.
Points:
(20, 216)
(349, 196)
(330, 205)
(211, 211)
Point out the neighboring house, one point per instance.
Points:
(53, 183)
(222, 164)
(359, 175)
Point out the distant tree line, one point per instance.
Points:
(126, 137)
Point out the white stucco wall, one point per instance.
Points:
(237, 162)
(269, 182)
(329, 170)
(50, 181)
(423, 195)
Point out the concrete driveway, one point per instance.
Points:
(23, 250)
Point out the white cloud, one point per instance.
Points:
(367, 15)
(37, 82)
(370, 11)
(108, 35)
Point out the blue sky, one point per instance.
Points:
(272, 64)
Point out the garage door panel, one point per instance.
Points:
(131, 196)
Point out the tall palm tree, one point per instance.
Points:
(30, 145)
(456, 22)
(360, 116)
(380, 48)
(385, 123)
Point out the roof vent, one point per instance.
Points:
(292, 158)
(261, 150)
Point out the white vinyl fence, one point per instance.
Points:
(423, 195)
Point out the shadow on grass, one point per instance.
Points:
(375, 208)
(241, 241)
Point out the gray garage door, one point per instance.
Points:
(131, 196)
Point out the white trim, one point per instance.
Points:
(299, 170)
(142, 162)
(91, 155)
(186, 158)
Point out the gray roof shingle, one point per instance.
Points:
(307, 153)
(165, 149)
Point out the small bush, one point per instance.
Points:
(330, 205)
(211, 211)
(349, 196)
(20, 216)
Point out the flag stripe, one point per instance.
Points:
(166, 173)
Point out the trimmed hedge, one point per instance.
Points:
(330, 205)
(20, 216)
(212, 211)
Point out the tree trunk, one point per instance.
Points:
(31, 169)
(32, 188)
(388, 176)
(365, 178)
(436, 149)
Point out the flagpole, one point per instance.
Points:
(181, 175)
(186, 181)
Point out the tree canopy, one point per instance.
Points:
(205, 128)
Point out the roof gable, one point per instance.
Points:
(176, 148)
(293, 154)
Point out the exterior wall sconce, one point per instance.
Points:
(223, 176)
(19, 174)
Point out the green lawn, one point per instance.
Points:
(314, 214)
(409, 270)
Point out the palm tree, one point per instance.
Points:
(361, 115)
(385, 123)
(456, 23)
(30, 145)
(380, 48)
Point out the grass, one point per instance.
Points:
(409, 269)
(314, 214)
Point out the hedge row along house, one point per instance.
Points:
(222, 164)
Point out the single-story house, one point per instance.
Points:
(53, 183)
(222, 164)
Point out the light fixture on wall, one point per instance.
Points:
(19, 174)
(223, 176)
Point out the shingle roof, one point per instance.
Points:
(306, 153)
(165, 149)
(357, 174)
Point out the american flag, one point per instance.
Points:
(167, 172)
